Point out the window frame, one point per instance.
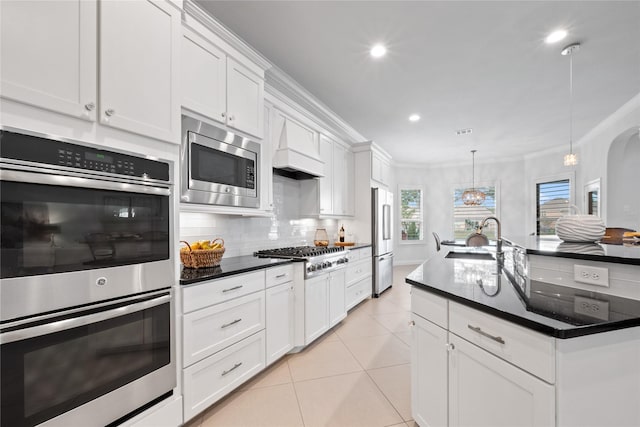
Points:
(408, 187)
(571, 176)
(494, 184)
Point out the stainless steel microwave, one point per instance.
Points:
(218, 167)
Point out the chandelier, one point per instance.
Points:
(570, 159)
(473, 197)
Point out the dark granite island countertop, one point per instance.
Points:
(228, 267)
(539, 306)
(627, 253)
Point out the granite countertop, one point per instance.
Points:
(628, 253)
(228, 267)
(543, 307)
(358, 245)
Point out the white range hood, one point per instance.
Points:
(296, 155)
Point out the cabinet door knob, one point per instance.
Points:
(232, 117)
(450, 346)
(110, 112)
(412, 323)
(90, 106)
(224, 114)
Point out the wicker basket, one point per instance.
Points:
(200, 258)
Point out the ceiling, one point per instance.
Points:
(478, 64)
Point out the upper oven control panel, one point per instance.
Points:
(30, 148)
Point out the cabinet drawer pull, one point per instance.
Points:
(226, 325)
(232, 289)
(236, 366)
(281, 275)
(483, 333)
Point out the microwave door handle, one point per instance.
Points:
(81, 182)
(61, 325)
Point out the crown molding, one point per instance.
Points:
(279, 84)
(202, 16)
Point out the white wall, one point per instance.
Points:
(245, 235)
(438, 184)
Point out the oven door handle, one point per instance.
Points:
(61, 325)
(82, 182)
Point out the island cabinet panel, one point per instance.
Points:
(485, 390)
(530, 350)
(429, 377)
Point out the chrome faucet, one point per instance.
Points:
(499, 253)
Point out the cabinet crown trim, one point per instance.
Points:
(225, 34)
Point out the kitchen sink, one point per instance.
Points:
(471, 255)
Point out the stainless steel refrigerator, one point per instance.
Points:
(382, 239)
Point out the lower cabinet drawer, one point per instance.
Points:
(358, 270)
(430, 306)
(358, 292)
(211, 329)
(212, 378)
(527, 349)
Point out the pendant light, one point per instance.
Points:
(473, 197)
(570, 159)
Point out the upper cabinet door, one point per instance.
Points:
(339, 178)
(139, 74)
(49, 55)
(245, 99)
(204, 77)
(325, 183)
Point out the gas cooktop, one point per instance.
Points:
(298, 252)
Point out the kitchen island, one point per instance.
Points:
(494, 346)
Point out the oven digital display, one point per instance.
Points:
(98, 157)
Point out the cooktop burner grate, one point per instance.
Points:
(299, 252)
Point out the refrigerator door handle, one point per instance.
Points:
(386, 223)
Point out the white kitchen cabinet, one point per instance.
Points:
(316, 313)
(210, 379)
(266, 192)
(245, 98)
(429, 381)
(219, 87)
(204, 76)
(49, 55)
(213, 328)
(139, 74)
(380, 168)
(337, 306)
(325, 183)
(280, 312)
(332, 194)
(358, 276)
(448, 371)
(324, 303)
(486, 390)
(136, 71)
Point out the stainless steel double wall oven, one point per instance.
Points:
(86, 310)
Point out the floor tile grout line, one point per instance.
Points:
(295, 392)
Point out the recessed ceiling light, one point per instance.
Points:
(378, 50)
(556, 36)
(414, 118)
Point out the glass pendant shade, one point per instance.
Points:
(473, 197)
(570, 159)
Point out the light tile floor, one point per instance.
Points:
(357, 374)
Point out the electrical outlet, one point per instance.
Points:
(592, 275)
(591, 307)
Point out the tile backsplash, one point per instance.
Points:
(245, 235)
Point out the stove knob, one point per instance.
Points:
(312, 267)
(328, 264)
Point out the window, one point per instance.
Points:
(411, 213)
(467, 218)
(552, 202)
